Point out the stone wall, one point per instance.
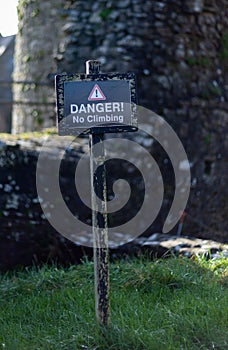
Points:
(6, 68)
(179, 51)
(26, 236)
(36, 43)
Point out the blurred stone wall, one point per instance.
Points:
(40, 27)
(26, 236)
(177, 48)
(179, 51)
(6, 69)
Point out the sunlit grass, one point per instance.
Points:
(172, 303)
(28, 135)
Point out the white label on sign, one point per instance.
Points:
(96, 94)
(99, 107)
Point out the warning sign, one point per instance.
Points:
(96, 94)
(86, 106)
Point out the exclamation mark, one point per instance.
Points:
(96, 92)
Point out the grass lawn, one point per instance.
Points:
(172, 303)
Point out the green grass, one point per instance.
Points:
(173, 303)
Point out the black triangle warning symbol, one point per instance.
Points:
(96, 94)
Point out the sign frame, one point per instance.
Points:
(64, 129)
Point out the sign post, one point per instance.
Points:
(99, 218)
(94, 104)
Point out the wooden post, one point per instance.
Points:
(99, 218)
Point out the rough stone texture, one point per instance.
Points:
(187, 246)
(158, 245)
(179, 51)
(36, 44)
(6, 69)
(27, 238)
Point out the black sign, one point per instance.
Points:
(101, 103)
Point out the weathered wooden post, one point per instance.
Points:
(99, 218)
